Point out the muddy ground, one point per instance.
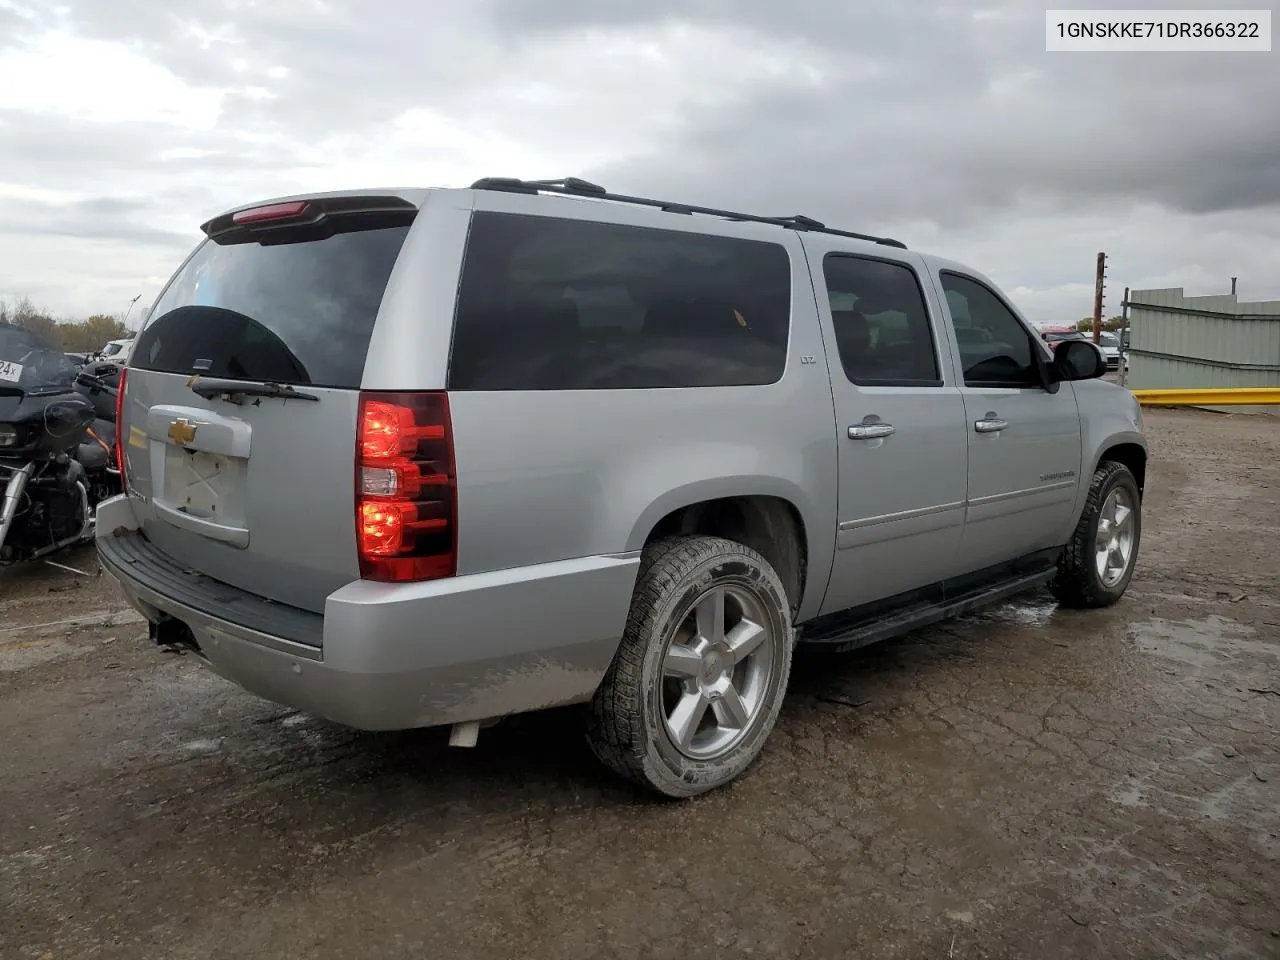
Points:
(1029, 783)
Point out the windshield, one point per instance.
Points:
(30, 364)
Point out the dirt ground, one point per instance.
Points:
(1028, 783)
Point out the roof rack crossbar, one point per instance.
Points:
(574, 187)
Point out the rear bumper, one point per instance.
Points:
(394, 656)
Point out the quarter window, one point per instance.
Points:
(559, 304)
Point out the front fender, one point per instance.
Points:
(1110, 416)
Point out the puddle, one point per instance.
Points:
(1216, 792)
(1032, 611)
(202, 746)
(1129, 794)
(1203, 644)
(1202, 761)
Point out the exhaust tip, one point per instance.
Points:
(464, 734)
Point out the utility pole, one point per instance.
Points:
(1097, 298)
(125, 321)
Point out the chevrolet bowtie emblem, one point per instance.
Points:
(182, 432)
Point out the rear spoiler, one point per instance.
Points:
(292, 221)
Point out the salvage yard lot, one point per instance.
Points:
(1025, 783)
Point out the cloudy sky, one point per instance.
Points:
(126, 123)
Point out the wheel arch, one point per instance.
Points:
(771, 525)
(1130, 452)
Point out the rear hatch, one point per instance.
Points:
(239, 421)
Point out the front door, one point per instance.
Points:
(1024, 440)
(901, 429)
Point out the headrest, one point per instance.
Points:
(693, 318)
(875, 300)
(557, 318)
(851, 324)
(524, 317)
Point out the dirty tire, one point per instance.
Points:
(1078, 583)
(627, 724)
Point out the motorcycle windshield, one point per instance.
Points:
(29, 364)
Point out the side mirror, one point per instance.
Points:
(1078, 360)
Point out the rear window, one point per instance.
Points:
(297, 313)
(554, 304)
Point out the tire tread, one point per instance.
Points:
(1076, 583)
(615, 721)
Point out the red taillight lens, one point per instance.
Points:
(124, 374)
(406, 502)
(389, 431)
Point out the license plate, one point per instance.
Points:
(197, 482)
(10, 372)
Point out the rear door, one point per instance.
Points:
(258, 491)
(1024, 439)
(899, 421)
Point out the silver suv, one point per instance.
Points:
(415, 458)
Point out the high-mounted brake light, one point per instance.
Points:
(406, 500)
(272, 211)
(124, 374)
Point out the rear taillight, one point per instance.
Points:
(406, 499)
(124, 374)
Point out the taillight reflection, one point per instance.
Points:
(120, 434)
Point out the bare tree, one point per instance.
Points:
(83, 336)
(23, 313)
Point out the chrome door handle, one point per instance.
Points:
(870, 431)
(990, 425)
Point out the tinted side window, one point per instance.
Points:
(995, 348)
(298, 313)
(881, 324)
(552, 304)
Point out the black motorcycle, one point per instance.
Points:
(57, 445)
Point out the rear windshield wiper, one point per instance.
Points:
(236, 391)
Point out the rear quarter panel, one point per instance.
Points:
(546, 476)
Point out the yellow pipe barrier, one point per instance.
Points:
(1221, 397)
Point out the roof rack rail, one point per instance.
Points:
(574, 187)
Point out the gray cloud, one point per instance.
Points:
(64, 151)
(10, 25)
(897, 25)
(102, 218)
(961, 118)
(351, 64)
